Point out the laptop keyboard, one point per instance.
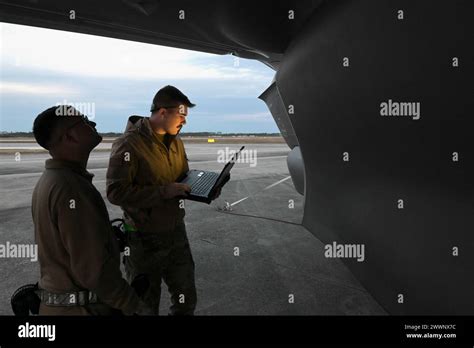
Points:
(204, 183)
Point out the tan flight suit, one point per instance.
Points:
(140, 165)
(76, 247)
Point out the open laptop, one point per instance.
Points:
(204, 184)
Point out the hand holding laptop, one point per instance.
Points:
(176, 189)
(205, 186)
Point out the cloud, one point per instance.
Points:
(46, 67)
(7, 87)
(89, 55)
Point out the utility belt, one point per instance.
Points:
(27, 299)
(67, 299)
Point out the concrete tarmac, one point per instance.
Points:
(280, 269)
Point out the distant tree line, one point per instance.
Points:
(184, 134)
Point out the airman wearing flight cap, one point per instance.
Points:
(145, 164)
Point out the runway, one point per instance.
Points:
(280, 269)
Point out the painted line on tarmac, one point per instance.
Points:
(266, 188)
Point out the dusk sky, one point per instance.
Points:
(117, 78)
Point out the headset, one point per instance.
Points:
(25, 300)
